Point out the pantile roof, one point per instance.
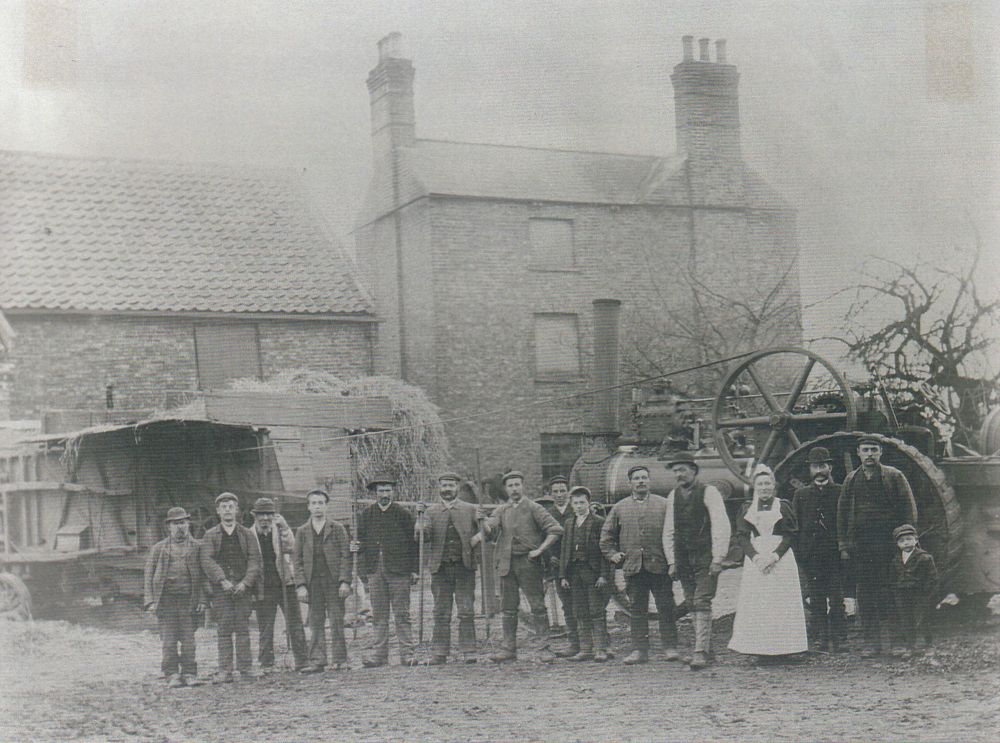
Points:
(99, 235)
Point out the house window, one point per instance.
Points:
(557, 346)
(551, 243)
(559, 453)
(224, 353)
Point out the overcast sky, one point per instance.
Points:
(877, 119)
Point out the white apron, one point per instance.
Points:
(770, 619)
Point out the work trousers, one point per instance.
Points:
(453, 582)
(267, 609)
(912, 608)
(389, 591)
(825, 589)
(325, 601)
(569, 612)
(638, 587)
(696, 579)
(589, 605)
(872, 566)
(176, 623)
(525, 575)
(232, 618)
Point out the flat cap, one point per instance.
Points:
(557, 479)
(636, 468)
(902, 531)
(869, 439)
(450, 476)
(682, 457)
(580, 490)
(510, 475)
(819, 455)
(263, 505)
(178, 514)
(221, 497)
(380, 479)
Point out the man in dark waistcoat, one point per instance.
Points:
(558, 507)
(696, 533)
(174, 591)
(818, 552)
(874, 500)
(448, 527)
(230, 558)
(387, 564)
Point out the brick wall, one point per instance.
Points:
(65, 361)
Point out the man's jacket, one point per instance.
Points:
(392, 534)
(435, 527)
(519, 529)
(897, 491)
(591, 529)
(336, 552)
(636, 528)
(211, 543)
(155, 573)
(283, 544)
(816, 511)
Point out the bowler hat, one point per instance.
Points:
(636, 468)
(380, 479)
(869, 439)
(263, 505)
(178, 514)
(509, 475)
(682, 457)
(819, 455)
(901, 531)
(450, 476)
(556, 480)
(221, 497)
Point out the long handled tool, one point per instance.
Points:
(354, 566)
(420, 601)
(283, 588)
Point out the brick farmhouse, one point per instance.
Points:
(484, 260)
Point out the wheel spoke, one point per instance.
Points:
(793, 438)
(799, 385)
(764, 391)
(765, 450)
(816, 417)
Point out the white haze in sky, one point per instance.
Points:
(842, 102)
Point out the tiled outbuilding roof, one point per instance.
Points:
(100, 235)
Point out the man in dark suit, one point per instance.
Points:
(586, 576)
(231, 560)
(387, 564)
(322, 564)
(818, 553)
(448, 526)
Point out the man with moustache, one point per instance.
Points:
(874, 500)
(524, 530)
(696, 534)
(387, 563)
(448, 527)
(559, 508)
(632, 539)
(818, 553)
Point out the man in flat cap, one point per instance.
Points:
(558, 507)
(874, 500)
(524, 530)
(230, 558)
(696, 533)
(323, 563)
(632, 539)
(276, 589)
(448, 526)
(387, 564)
(174, 591)
(818, 552)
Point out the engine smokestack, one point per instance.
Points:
(607, 313)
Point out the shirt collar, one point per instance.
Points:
(579, 521)
(449, 504)
(230, 530)
(562, 510)
(322, 526)
(382, 508)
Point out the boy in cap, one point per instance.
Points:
(230, 558)
(559, 508)
(174, 591)
(818, 552)
(277, 585)
(915, 585)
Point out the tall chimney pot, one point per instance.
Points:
(389, 46)
(720, 51)
(688, 42)
(703, 50)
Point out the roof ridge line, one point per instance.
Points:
(550, 149)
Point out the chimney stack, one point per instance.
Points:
(390, 90)
(606, 330)
(706, 103)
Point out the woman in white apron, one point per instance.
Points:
(770, 619)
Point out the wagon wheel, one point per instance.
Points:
(939, 515)
(15, 599)
(783, 417)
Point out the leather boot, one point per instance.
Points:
(508, 646)
(702, 634)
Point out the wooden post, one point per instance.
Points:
(6, 525)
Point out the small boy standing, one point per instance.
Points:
(915, 580)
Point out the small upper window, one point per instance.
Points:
(557, 346)
(551, 243)
(226, 352)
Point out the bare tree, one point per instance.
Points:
(936, 355)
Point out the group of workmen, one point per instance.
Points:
(652, 539)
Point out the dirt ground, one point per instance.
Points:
(96, 679)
